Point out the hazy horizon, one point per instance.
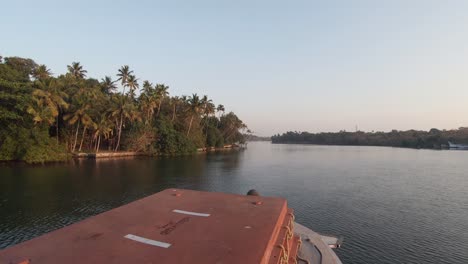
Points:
(302, 66)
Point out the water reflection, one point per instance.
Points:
(37, 199)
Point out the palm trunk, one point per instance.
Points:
(190, 126)
(120, 132)
(76, 136)
(82, 138)
(57, 130)
(98, 143)
(159, 108)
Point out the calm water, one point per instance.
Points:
(392, 205)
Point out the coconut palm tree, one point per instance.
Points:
(195, 107)
(147, 101)
(132, 83)
(124, 73)
(147, 88)
(42, 107)
(220, 109)
(102, 128)
(123, 110)
(161, 91)
(79, 116)
(48, 100)
(230, 125)
(41, 72)
(118, 112)
(87, 123)
(208, 108)
(108, 86)
(174, 102)
(76, 70)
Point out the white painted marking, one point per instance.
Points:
(190, 213)
(148, 241)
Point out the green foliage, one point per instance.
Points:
(42, 118)
(32, 145)
(214, 138)
(231, 127)
(140, 137)
(22, 68)
(172, 142)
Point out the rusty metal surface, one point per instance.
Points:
(237, 230)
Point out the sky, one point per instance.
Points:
(279, 65)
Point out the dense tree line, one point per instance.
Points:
(44, 118)
(433, 138)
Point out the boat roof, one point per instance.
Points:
(172, 226)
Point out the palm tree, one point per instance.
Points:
(102, 128)
(147, 88)
(208, 108)
(161, 91)
(124, 73)
(41, 72)
(123, 110)
(220, 109)
(230, 125)
(79, 116)
(108, 85)
(76, 70)
(195, 106)
(84, 100)
(147, 100)
(42, 108)
(48, 99)
(174, 102)
(132, 83)
(118, 112)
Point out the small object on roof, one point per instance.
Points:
(253, 192)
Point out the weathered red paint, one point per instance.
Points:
(240, 229)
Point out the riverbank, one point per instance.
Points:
(120, 154)
(226, 147)
(82, 155)
(67, 156)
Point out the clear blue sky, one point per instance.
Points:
(280, 65)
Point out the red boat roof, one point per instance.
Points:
(172, 226)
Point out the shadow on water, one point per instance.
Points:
(38, 199)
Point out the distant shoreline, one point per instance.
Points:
(337, 145)
(432, 139)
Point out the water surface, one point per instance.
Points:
(392, 205)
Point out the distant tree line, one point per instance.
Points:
(251, 137)
(44, 118)
(432, 139)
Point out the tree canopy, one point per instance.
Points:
(44, 118)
